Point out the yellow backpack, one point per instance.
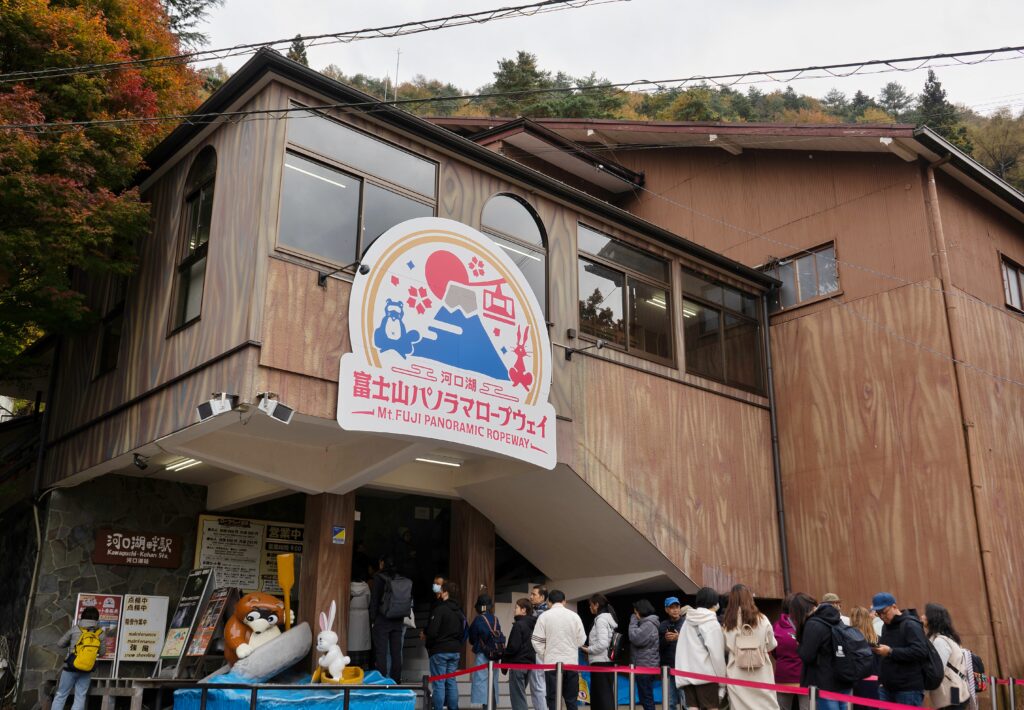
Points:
(83, 658)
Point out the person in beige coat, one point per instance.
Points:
(749, 639)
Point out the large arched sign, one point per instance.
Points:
(448, 343)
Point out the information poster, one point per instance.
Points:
(143, 621)
(209, 620)
(244, 551)
(185, 613)
(109, 607)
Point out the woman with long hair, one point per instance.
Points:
(955, 691)
(750, 639)
(597, 648)
(644, 636)
(787, 661)
(862, 620)
(482, 634)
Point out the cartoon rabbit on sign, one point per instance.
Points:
(333, 661)
(517, 373)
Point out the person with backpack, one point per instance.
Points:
(701, 649)
(519, 650)
(488, 645)
(390, 604)
(643, 642)
(862, 620)
(905, 654)
(84, 642)
(749, 638)
(814, 634)
(955, 691)
(445, 635)
(599, 644)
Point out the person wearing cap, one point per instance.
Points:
(904, 651)
(833, 599)
(668, 636)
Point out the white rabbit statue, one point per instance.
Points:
(333, 660)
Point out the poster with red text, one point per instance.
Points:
(109, 607)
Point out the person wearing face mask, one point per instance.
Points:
(444, 641)
(435, 590)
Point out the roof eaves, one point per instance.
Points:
(968, 165)
(265, 61)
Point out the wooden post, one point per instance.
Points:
(326, 570)
(472, 556)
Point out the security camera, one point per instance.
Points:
(218, 403)
(141, 462)
(274, 409)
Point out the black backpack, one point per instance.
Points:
(933, 671)
(494, 643)
(396, 602)
(852, 657)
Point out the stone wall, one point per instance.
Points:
(72, 517)
(17, 557)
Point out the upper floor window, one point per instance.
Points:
(515, 227)
(197, 215)
(112, 325)
(624, 295)
(809, 275)
(722, 332)
(342, 189)
(1013, 284)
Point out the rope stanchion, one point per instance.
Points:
(813, 692)
(558, 684)
(1013, 693)
(632, 687)
(491, 700)
(665, 690)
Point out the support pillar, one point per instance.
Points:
(472, 556)
(326, 571)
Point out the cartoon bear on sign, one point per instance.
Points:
(391, 333)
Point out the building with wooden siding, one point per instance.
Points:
(896, 336)
(893, 373)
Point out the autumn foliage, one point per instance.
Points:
(64, 206)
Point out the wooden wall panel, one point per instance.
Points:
(149, 356)
(471, 557)
(875, 474)
(993, 343)
(690, 470)
(326, 569)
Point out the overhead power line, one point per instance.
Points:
(979, 56)
(346, 37)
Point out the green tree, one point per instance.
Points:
(297, 52)
(894, 99)
(183, 16)
(998, 142)
(520, 75)
(935, 111)
(835, 103)
(213, 77)
(694, 104)
(63, 204)
(858, 104)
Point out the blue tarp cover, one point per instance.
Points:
(321, 699)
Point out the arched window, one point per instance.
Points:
(515, 227)
(196, 215)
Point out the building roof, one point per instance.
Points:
(242, 84)
(901, 139)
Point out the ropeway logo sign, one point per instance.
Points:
(449, 343)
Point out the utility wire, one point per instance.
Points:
(983, 55)
(406, 28)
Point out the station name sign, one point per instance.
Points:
(136, 549)
(449, 343)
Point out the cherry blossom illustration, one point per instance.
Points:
(418, 299)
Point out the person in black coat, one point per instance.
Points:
(903, 647)
(519, 649)
(816, 652)
(445, 637)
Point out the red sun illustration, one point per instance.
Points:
(443, 267)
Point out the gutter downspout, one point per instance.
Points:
(37, 502)
(966, 418)
(780, 508)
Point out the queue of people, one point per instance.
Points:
(880, 651)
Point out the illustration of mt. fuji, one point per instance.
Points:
(469, 349)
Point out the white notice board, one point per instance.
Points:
(244, 551)
(143, 620)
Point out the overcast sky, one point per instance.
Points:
(656, 39)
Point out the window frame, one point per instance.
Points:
(724, 311)
(627, 274)
(185, 260)
(1007, 265)
(772, 269)
(363, 179)
(115, 297)
(493, 231)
